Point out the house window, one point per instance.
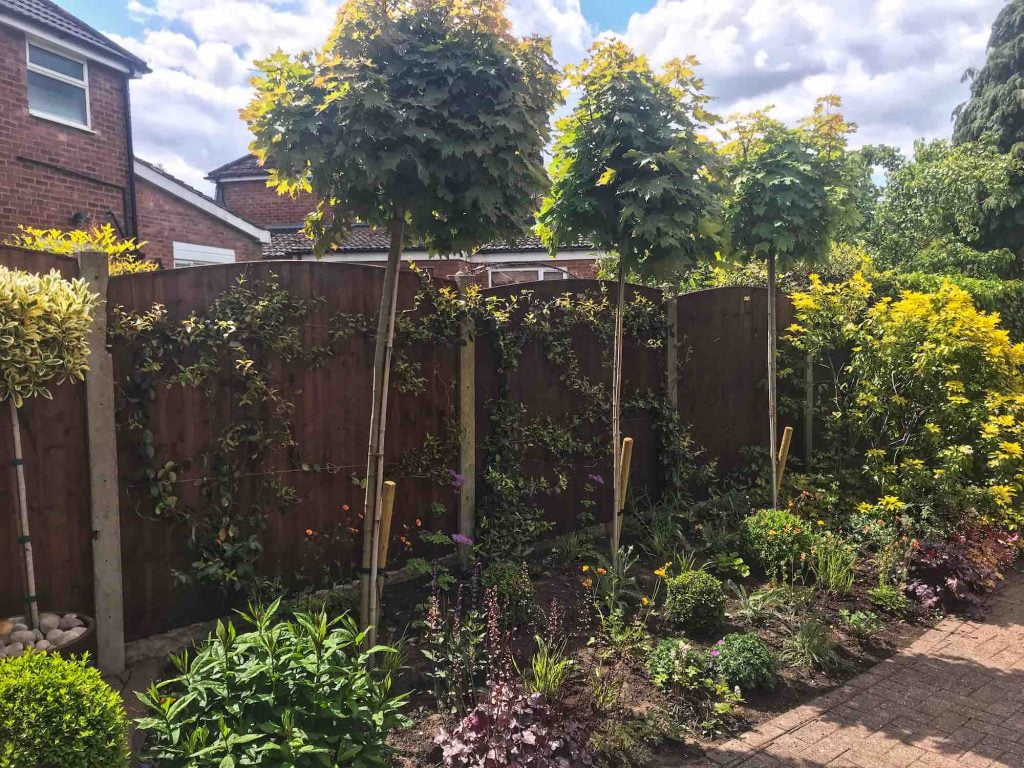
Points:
(192, 255)
(58, 86)
(510, 275)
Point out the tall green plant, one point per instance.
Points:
(630, 173)
(425, 117)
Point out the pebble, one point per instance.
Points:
(73, 634)
(70, 621)
(54, 636)
(14, 649)
(20, 626)
(24, 637)
(43, 645)
(47, 621)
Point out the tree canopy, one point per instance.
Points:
(430, 108)
(630, 171)
(996, 105)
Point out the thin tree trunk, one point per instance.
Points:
(620, 308)
(23, 527)
(773, 420)
(378, 420)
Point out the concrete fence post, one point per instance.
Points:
(102, 444)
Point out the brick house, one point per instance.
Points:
(66, 158)
(241, 187)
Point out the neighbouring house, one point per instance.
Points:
(241, 187)
(66, 158)
(182, 227)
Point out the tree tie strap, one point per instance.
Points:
(30, 599)
(24, 539)
(17, 462)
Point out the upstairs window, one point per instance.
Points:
(58, 87)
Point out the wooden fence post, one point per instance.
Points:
(108, 588)
(672, 352)
(467, 435)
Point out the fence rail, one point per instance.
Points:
(721, 368)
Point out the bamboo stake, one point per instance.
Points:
(383, 536)
(809, 412)
(783, 457)
(773, 423)
(617, 405)
(24, 534)
(625, 457)
(378, 412)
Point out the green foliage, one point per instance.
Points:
(833, 563)
(630, 740)
(229, 704)
(428, 109)
(781, 206)
(890, 599)
(780, 541)
(695, 600)
(44, 320)
(122, 255)
(755, 608)
(994, 107)
(58, 711)
(812, 646)
(862, 624)
(549, 670)
(629, 172)
(514, 590)
(745, 661)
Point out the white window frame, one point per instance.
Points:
(195, 255)
(538, 273)
(60, 77)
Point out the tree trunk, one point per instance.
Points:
(620, 308)
(23, 528)
(378, 420)
(773, 419)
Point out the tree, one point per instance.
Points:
(123, 255)
(996, 105)
(780, 211)
(630, 174)
(426, 117)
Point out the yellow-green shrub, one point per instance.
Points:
(123, 255)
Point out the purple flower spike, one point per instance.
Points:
(596, 479)
(457, 480)
(461, 538)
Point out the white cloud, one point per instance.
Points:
(897, 63)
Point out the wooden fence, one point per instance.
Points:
(721, 365)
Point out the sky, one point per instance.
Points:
(896, 63)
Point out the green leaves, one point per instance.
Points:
(44, 320)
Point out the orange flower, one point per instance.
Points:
(309, 531)
(418, 522)
(601, 571)
(344, 507)
(588, 583)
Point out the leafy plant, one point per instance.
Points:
(550, 667)
(453, 643)
(629, 740)
(728, 564)
(890, 599)
(695, 600)
(811, 646)
(745, 661)
(227, 705)
(862, 624)
(515, 729)
(614, 582)
(956, 570)
(59, 711)
(123, 255)
(780, 541)
(754, 608)
(514, 589)
(833, 563)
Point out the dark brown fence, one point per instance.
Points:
(721, 370)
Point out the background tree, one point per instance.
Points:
(780, 211)
(123, 256)
(426, 117)
(996, 105)
(631, 174)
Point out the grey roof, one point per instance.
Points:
(247, 165)
(62, 24)
(364, 239)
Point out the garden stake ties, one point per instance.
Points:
(382, 534)
(626, 455)
(783, 457)
(23, 529)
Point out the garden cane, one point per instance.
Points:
(23, 529)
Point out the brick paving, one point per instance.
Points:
(953, 698)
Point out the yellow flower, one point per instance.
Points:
(1011, 450)
(588, 583)
(662, 572)
(645, 601)
(586, 568)
(1003, 494)
(821, 522)
(890, 503)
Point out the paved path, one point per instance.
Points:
(953, 698)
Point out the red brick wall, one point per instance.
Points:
(254, 201)
(164, 218)
(49, 171)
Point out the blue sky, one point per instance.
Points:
(896, 63)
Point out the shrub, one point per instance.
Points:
(811, 646)
(123, 255)
(862, 624)
(695, 600)
(514, 729)
(288, 693)
(515, 590)
(833, 564)
(59, 712)
(952, 572)
(779, 540)
(890, 599)
(744, 660)
(668, 660)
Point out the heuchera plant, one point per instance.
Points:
(953, 572)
